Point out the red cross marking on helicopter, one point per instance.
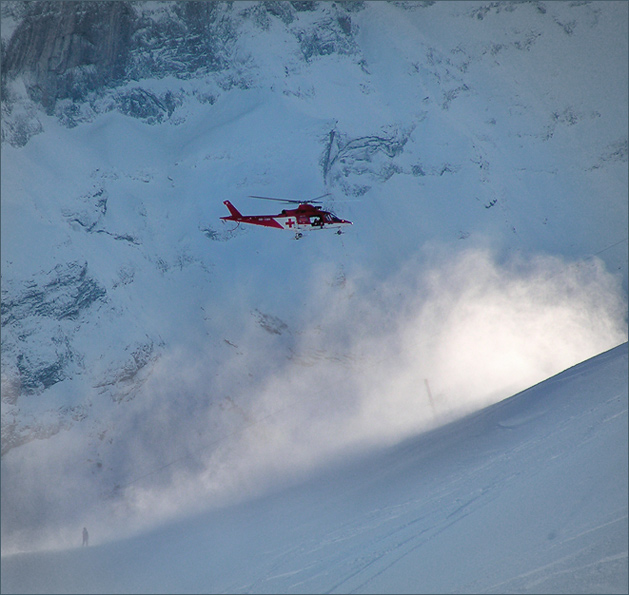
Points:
(290, 223)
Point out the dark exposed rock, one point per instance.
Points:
(144, 105)
(36, 377)
(195, 39)
(123, 381)
(70, 48)
(67, 291)
(271, 324)
(62, 295)
(372, 155)
(331, 36)
(75, 60)
(304, 5)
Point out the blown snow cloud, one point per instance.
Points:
(374, 361)
(380, 361)
(476, 330)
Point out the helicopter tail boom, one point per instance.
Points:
(233, 211)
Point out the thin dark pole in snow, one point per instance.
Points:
(432, 404)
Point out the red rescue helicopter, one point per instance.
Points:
(307, 215)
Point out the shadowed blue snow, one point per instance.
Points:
(527, 496)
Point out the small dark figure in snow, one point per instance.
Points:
(85, 537)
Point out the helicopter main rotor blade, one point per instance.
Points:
(297, 202)
(286, 200)
(318, 197)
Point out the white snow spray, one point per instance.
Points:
(376, 361)
(365, 363)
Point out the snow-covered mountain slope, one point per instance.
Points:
(527, 496)
(148, 351)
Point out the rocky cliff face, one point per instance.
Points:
(70, 56)
(62, 295)
(67, 49)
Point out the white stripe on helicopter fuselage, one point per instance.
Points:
(291, 223)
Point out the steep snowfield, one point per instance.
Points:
(156, 362)
(527, 496)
